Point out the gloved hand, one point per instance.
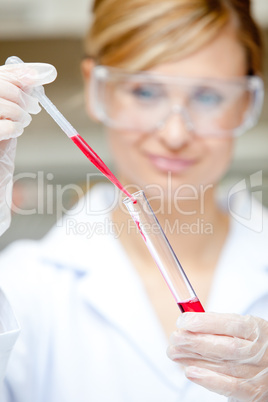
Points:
(16, 102)
(225, 353)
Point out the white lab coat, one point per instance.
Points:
(88, 330)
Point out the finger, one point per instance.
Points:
(12, 111)
(10, 129)
(222, 384)
(235, 325)
(28, 74)
(12, 93)
(226, 368)
(214, 347)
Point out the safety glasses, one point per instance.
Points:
(144, 102)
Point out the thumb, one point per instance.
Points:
(28, 74)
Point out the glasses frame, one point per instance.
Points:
(101, 73)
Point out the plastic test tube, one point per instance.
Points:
(162, 252)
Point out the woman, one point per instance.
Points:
(174, 82)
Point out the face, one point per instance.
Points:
(173, 156)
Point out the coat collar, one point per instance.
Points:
(69, 243)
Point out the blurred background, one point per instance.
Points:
(49, 168)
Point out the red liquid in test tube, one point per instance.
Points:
(192, 305)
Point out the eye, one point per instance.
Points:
(207, 97)
(148, 92)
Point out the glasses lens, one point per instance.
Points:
(145, 102)
(220, 108)
(132, 104)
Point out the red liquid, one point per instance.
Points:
(96, 160)
(139, 226)
(193, 305)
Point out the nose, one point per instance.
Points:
(177, 129)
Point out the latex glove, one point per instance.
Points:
(225, 353)
(16, 102)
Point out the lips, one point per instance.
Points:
(168, 164)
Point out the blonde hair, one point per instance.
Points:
(139, 34)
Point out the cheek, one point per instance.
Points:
(219, 154)
(123, 150)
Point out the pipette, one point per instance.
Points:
(70, 131)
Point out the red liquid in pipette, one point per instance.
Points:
(96, 160)
(192, 305)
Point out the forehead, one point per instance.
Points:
(223, 57)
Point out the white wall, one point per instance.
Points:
(21, 19)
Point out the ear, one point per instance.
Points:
(87, 66)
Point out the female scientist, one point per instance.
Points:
(174, 81)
